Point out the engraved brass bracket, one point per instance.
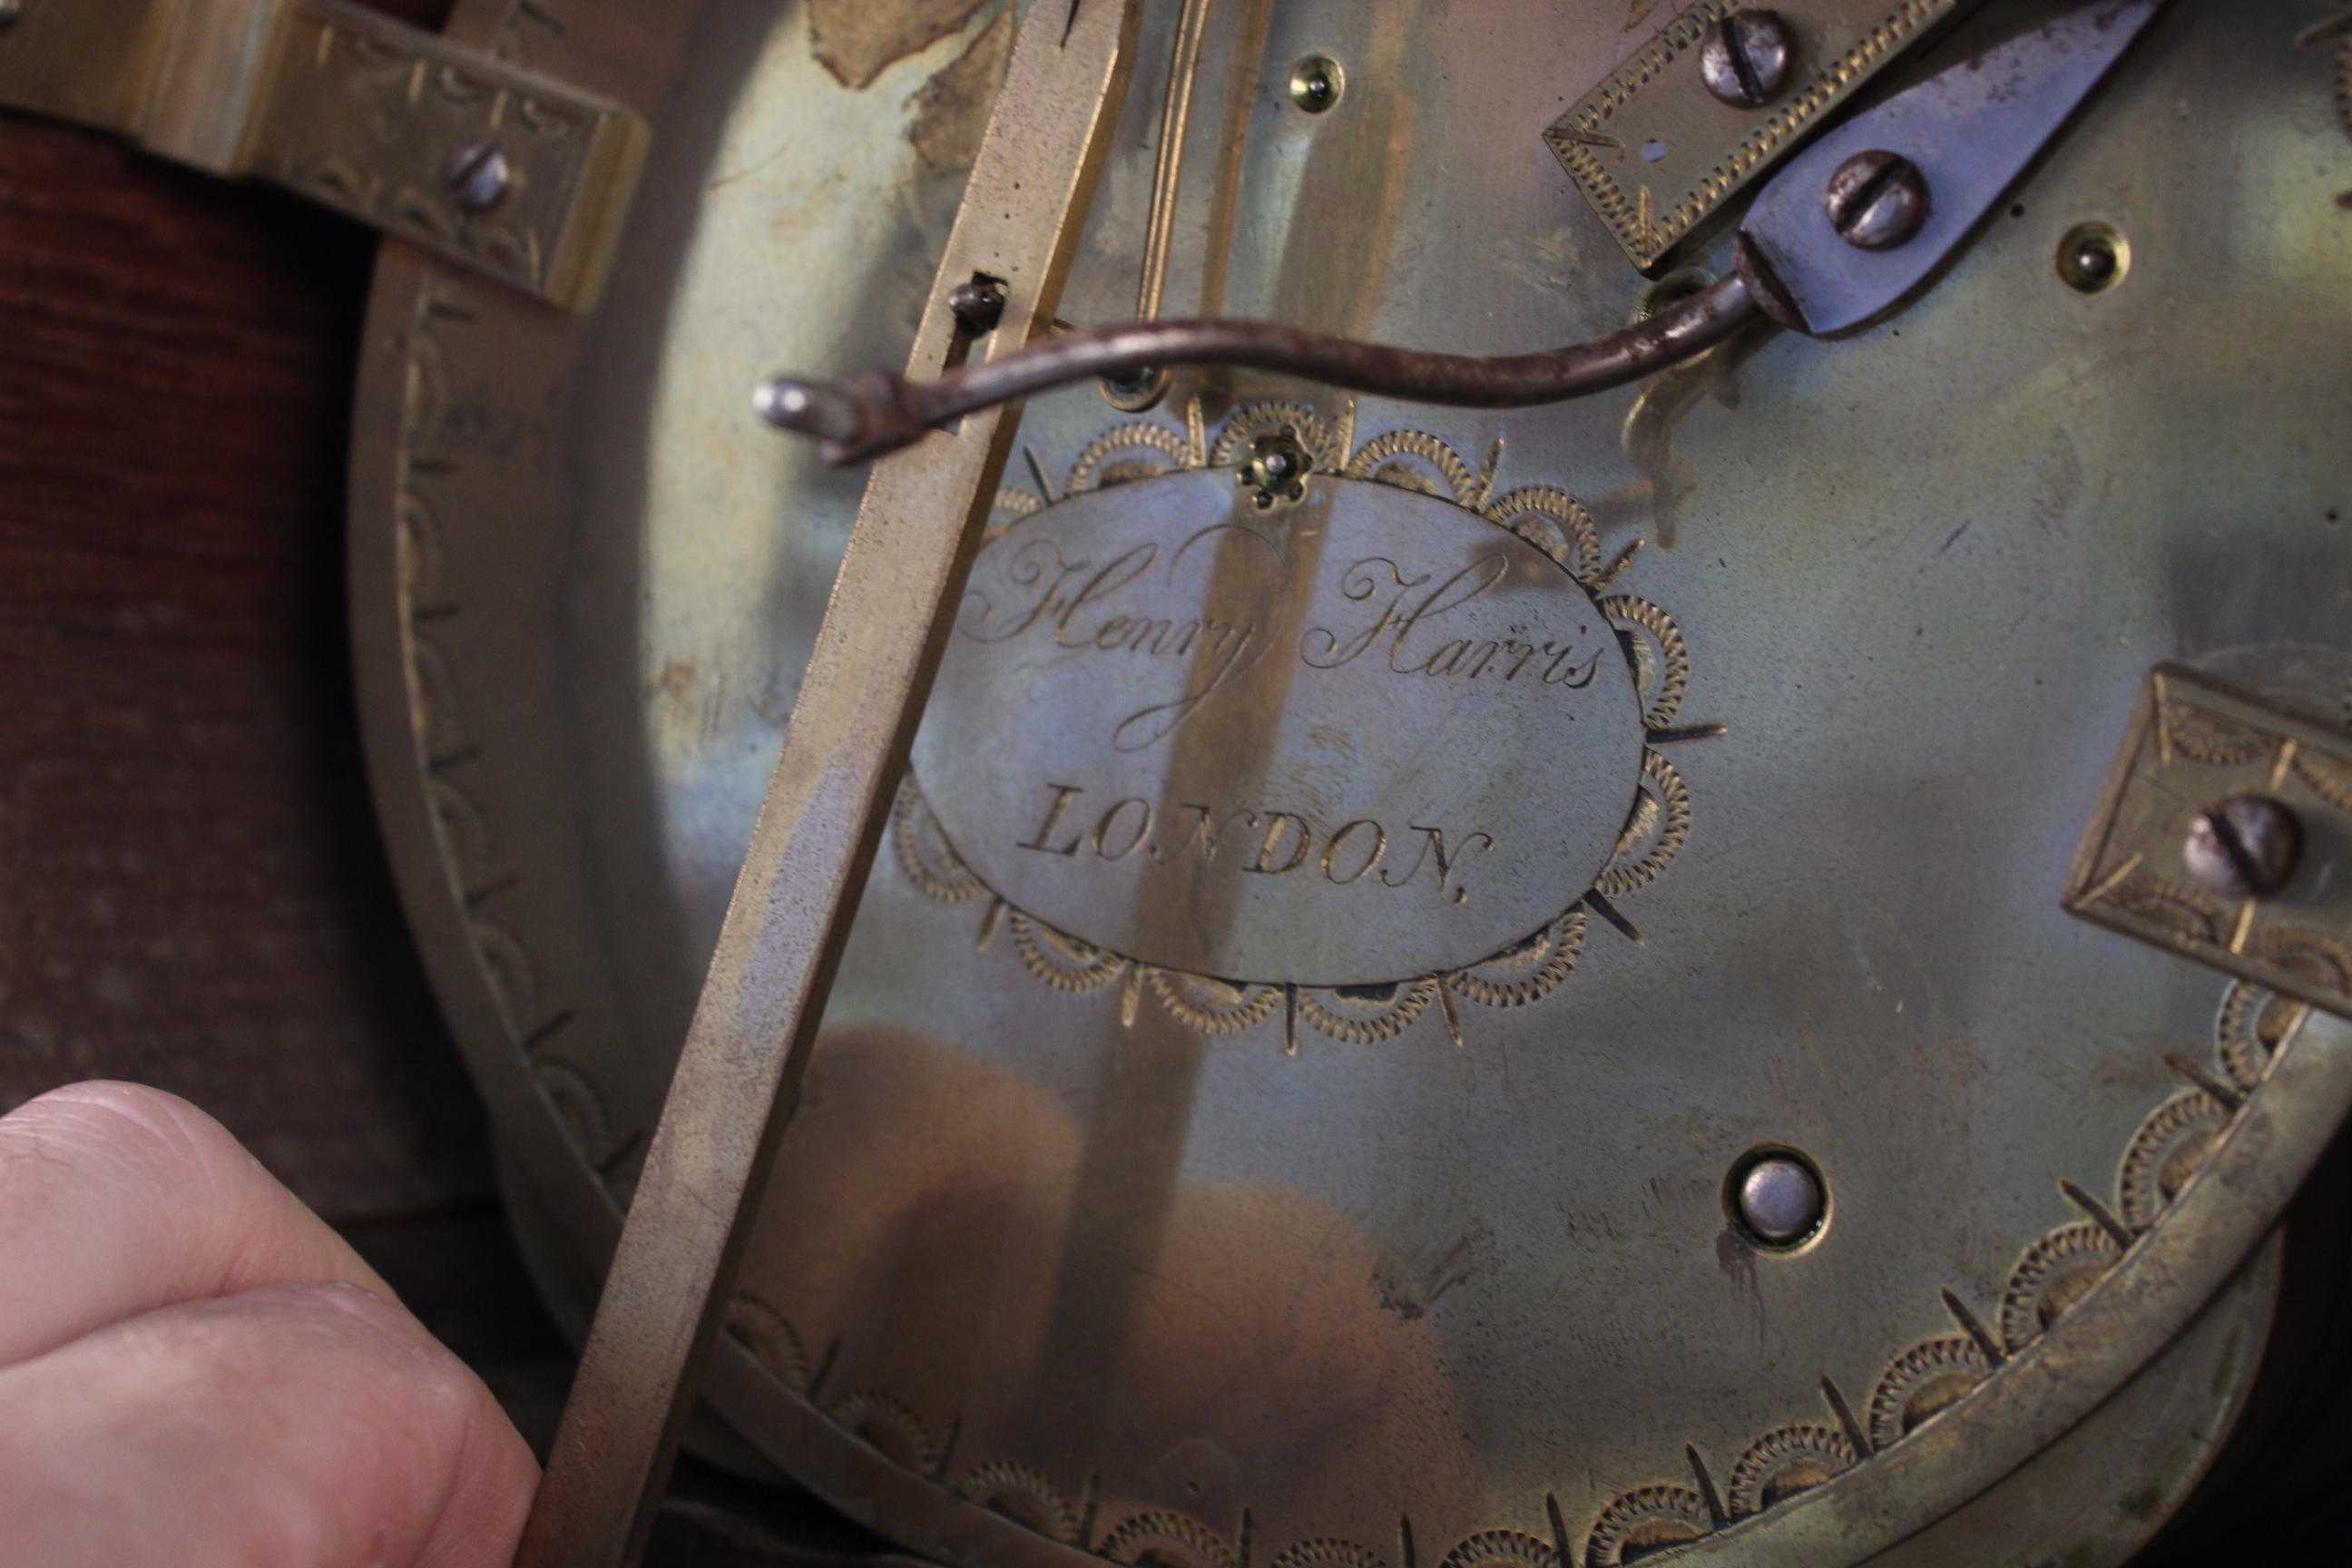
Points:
(358, 112)
(1657, 154)
(2193, 742)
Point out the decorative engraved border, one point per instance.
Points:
(445, 745)
(1577, 136)
(2193, 740)
(1523, 971)
(1919, 1383)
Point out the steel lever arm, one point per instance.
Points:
(877, 412)
(1964, 136)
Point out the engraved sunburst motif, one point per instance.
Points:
(1520, 973)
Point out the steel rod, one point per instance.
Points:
(877, 412)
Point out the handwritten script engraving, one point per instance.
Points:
(1564, 662)
(1366, 737)
(1071, 607)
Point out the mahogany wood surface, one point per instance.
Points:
(192, 892)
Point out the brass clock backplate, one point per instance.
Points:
(1284, 1207)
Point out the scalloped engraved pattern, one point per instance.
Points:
(1919, 1383)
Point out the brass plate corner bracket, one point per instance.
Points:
(1657, 155)
(2191, 742)
(507, 172)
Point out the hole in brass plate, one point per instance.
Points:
(2093, 257)
(1136, 391)
(1680, 284)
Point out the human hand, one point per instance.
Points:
(195, 1370)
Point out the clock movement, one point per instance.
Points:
(1260, 917)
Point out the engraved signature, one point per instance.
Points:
(1069, 602)
(1405, 610)
(1268, 843)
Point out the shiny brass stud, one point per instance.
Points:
(1315, 83)
(2093, 257)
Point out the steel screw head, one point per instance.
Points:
(1746, 58)
(1315, 84)
(478, 174)
(2245, 846)
(978, 305)
(1876, 201)
(1777, 1198)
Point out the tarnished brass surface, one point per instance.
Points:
(1657, 154)
(859, 701)
(1061, 1260)
(2193, 742)
(87, 60)
(352, 109)
(365, 116)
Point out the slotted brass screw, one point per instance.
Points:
(477, 172)
(2244, 847)
(1876, 200)
(1746, 58)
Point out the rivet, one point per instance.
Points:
(1745, 60)
(2244, 847)
(478, 174)
(1315, 83)
(1876, 200)
(1276, 469)
(1777, 1197)
(2093, 257)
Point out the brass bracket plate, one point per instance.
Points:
(1657, 154)
(354, 110)
(2192, 741)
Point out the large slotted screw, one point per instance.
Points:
(2245, 846)
(1876, 201)
(1745, 60)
